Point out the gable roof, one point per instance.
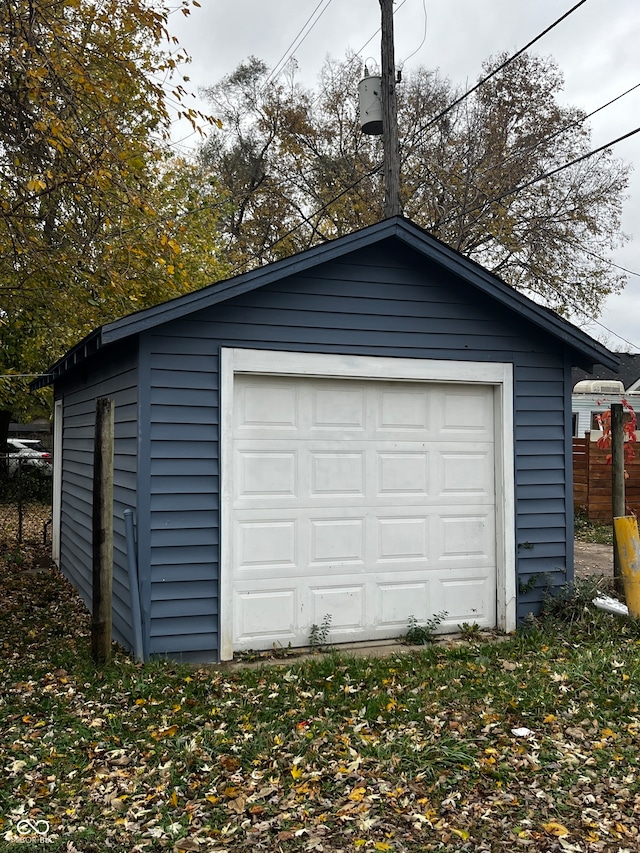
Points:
(396, 228)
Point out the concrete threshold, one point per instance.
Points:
(365, 648)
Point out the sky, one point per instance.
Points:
(596, 48)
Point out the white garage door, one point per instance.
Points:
(366, 502)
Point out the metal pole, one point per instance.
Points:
(134, 588)
(392, 204)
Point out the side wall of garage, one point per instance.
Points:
(376, 302)
(115, 377)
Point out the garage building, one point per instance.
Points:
(373, 430)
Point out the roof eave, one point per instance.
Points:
(80, 352)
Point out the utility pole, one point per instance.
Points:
(391, 147)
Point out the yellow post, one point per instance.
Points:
(628, 544)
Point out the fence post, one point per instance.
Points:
(617, 484)
(102, 532)
(587, 448)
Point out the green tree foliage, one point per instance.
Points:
(293, 158)
(96, 218)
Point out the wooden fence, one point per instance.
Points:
(592, 481)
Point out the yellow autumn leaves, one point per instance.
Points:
(93, 203)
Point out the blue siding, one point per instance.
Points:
(180, 424)
(116, 377)
(376, 302)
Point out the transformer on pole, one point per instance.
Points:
(370, 100)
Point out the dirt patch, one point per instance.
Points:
(592, 560)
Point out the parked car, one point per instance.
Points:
(27, 456)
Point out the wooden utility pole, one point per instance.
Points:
(102, 532)
(392, 206)
(617, 482)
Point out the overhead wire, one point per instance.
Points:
(447, 109)
(485, 79)
(424, 37)
(496, 70)
(564, 129)
(295, 44)
(499, 165)
(308, 219)
(552, 172)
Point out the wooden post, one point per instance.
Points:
(617, 484)
(587, 451)
(102, 532)
(392, 205)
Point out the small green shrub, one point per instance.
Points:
(318, 635)
(469, 631)
(423, 635)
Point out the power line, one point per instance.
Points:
(519, 188)
(495, 71)
(598, 257)
(516, 189)
(424, 35)
(561, 130)
(579, 310)
(293, 46)
(308, 219)
(573, 162)
(469, 92)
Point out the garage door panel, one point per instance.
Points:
(364, 501)
(337, 473)
(337, 540)
(344, 603)
(267, 474)
(401, 473)
(402, 539)
(264, 617)
(267, 544)
(465, 599)
(338, 407)
(466, 472)
(466, 537)
(400, 600)
(467, 412)
(402, 410)
(267, 404)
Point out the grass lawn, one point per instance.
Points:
(530, 743)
